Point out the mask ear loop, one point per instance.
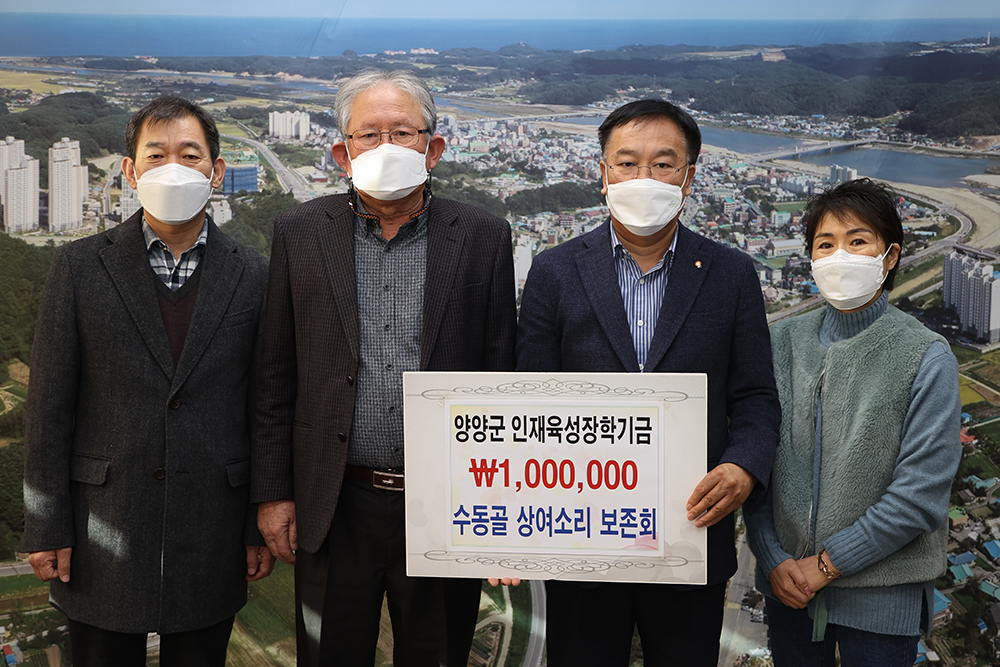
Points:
(687, 171)
(684, 201)
(882, 259)
(427, 183)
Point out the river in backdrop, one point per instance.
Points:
(888, 165)
(901, 166)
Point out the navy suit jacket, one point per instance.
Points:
(712, 321)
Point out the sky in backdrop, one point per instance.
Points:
(548, 9)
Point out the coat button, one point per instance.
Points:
(160, 474)
(175, 403)
(342, 437)
(350, 380)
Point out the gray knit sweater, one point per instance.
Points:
(888, 547)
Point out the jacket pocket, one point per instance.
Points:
(88, 469)
(238, 472)
(466, 292)
(235, 319)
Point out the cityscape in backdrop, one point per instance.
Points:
(779, 122)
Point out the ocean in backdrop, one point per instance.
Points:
(27, 34)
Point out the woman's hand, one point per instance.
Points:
(815, 578)
(790, 584)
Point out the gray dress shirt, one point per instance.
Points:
(390, 284)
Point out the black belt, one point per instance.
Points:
(390, 480)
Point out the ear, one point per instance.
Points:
(435, 149)
(339, 152)
(604, 177)
(220, 172)
(690, 177)
(892, 259)
(128, 172)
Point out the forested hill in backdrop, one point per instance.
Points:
(943, 90)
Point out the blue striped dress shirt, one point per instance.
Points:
(642, 293)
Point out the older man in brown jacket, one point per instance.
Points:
(363, 287)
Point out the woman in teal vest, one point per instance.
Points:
(852, 532)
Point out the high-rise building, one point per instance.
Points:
(522, 260)
(20, 196)
(237, 178)
(839, 174)
(242, 167)
(220, 210)
(67, 186)
(972, 289)
(288, 124)
(11, 152)
(129, 200)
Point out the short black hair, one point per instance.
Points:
(164, 109)
(871, 202)
(648, 109)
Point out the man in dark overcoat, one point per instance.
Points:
(137, 443)
(363, 287)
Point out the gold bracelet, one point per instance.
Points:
(824, 568)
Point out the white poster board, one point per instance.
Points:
(555, 475)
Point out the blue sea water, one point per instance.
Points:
(26, 34)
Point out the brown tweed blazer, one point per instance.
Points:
(306, 398)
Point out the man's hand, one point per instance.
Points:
(789, 583)
(49, 565)
(276, 521)
(720, 492)
(506, 581)
(260, 562)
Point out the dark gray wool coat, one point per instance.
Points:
(143, 469)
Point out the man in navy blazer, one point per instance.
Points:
(642, 293)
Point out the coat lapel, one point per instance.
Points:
(596, 265)
(336, 240)
(127, 262)
(687, 274)
(221, 268)
(444, 251)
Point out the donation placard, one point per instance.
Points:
(579, 477)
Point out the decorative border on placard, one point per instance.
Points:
(556, 565)
(553, 388)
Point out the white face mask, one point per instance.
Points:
(173, 193)
(389, 171)
(849, 281)
(644, 206)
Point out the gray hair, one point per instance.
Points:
(402, 79)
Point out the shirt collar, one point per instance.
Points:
(152, 238)
(616, 243)
(371, 223)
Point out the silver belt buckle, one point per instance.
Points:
(389, 481)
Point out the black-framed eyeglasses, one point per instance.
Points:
(403, 135)
(661, 171)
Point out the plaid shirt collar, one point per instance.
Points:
(173, 273)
